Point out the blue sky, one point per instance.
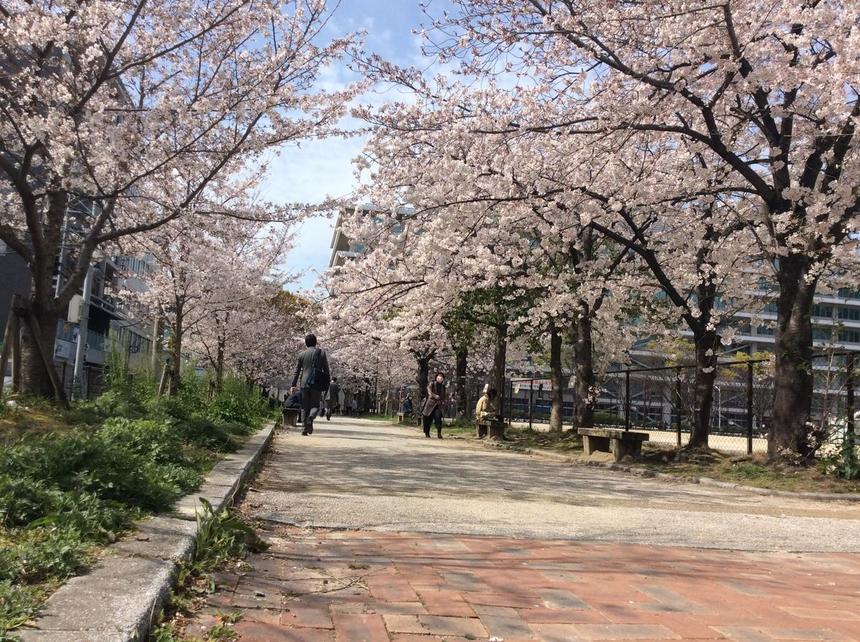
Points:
(318, 169)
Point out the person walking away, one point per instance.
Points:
(332, 398)
(434, 406)
(313, 374)
(488, 405)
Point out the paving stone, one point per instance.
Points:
(499, 599)
(441, 625)
(822, 614)
(445, 602)
(743, 634)
(624, 632)
(261, 632)
(557, 599)
(403, 624)
(562, 616)
(359, 627)
(805, 634)
(506, 627)
(555, 632)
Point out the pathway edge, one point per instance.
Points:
(644, 472)
(120, 598)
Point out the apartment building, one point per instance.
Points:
(111, 323)
(343, 248)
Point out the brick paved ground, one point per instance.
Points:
(349, 586)
(551, 553)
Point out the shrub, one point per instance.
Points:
(235, 403)
(154, 439)
(602, 418)
(17, 604)
(49, 554)
(24, 499)
(127, 453)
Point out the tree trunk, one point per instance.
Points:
(499, 361)
(35, 379)
(423, 376)
(460, 381)
(585, 384)
(792, 400)
(176, 351)
(556, 415)
(707, 345)
(157, 345)
(219, 365)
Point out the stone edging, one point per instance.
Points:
(120, 598)
(704, 481)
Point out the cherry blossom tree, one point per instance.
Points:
(761, 94)
(210, 271)
(106, 104)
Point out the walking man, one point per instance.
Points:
(313, 373)
(332, 398)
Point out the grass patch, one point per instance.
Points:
(566, 442)
(749, 471)
(74, 481)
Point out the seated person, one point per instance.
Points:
(488, 405)
(293, 402)
(407, 406)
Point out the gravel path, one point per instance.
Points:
(362, 474)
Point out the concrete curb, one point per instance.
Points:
(704, 481)
(120, 598)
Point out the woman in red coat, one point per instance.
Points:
(437, 399)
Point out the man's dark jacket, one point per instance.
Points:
(306, 365)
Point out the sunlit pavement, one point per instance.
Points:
(378, 534)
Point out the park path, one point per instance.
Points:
(378, 534)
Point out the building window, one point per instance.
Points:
(743, 327)
(770, 308)
(766, 285)
(848, 293)
(822, 334)
(849, 314)
(822, 311)
(764, 330)
(849, 336)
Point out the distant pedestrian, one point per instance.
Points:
(434, 406)
(332, 398)
(313, 373)
(407, 408)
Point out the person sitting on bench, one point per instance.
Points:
(488, 406)
(293, 402)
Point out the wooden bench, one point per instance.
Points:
(291, 417)
(620, 443)
(494, 428)
(401, 418)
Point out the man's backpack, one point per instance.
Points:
(319, 379)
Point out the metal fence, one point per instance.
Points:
(660, 400)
